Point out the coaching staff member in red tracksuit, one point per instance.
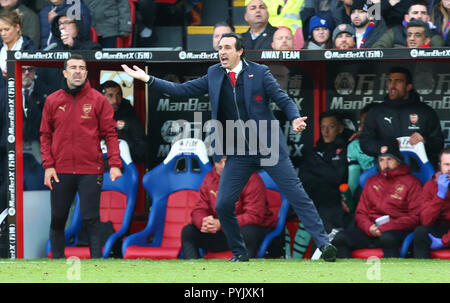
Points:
(241, 90)
(74, 120)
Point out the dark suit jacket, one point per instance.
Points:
(260, 89)
(264, 41)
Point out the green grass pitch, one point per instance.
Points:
(222, 271)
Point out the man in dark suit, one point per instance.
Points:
(230, 102)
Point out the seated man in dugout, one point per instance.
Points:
(434, 232)
(252, 211)
(388, 208)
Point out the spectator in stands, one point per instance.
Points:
(69, 35)
(111, 19)
(402, 114)
(418, 34)
(341, 14)
(357, 160)
(395, 192)
(396, 36)
(52, 10)
(344, 37)
(324, 168)
(128, 125)
(434, 231)
(283, 39)
(252, 211)
(36, 5)
(441, 18)
(367, 29)
(319, 34)
(220, 28)
(30, 20)
(260, 33)
(287, 13)
(194, 10)
(12, 37)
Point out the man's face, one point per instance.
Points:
(228, 55)
(330, 128)
(75, 73)
(398, 89)
(217, 34)
(283, 39)
(359, 18)
(28, 74)
(415, 37)
(68, 25)
(8, 3)
(444, 164)
(344, 41)
(219, 166)
(56, 2)
(256, 13)
(417, 12)
(114, 96)
(387, 162)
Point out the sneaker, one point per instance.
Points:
(239, 258)
(329, 252)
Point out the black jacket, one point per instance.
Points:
(376, 33)
(130, 129)
(393, 119)
(264, 40)
(323, 168)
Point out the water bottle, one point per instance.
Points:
(347, 196)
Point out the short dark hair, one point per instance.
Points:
(74, 57)
(332, 113)
(402, 70)
(224, 24)
(239, 41)
(109, 84)
(419, 23)
(446, 150)
(417, 2)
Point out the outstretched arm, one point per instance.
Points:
(136, 73)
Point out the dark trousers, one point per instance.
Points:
(354, 238)
(422, 242)
(192, 239)
(235, 176)
(61, 198)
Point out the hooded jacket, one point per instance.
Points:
(393, 192)
(71, 129)
(435, 210)
(81, 41)
(398, 118)
(251, 209)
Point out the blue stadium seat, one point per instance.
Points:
(173, 187)
(117, 204)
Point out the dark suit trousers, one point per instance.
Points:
(238, 170)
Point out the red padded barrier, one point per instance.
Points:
(440, 254)
(219, 255)
(367, 253)
(75, 251)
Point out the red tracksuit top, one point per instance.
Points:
(395, 193)
(252, 207)
(435, 211)
(71, 130)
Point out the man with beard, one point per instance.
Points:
(393, 192)
(367, 30)
(344, 37)
(402, 114)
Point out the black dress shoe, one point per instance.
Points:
(239, 258)
(329, 253)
